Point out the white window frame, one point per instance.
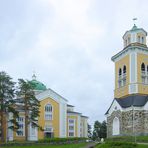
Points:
(71, 124)
(48, 113)
(23, 123)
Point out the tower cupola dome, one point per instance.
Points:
(135, 35)
(37, 85)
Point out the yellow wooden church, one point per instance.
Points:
(57, 118)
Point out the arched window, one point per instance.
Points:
(48, 108)
(120, 71)
(116, 126)
(138, 39)
(142, 40)
(48, 112)
(129, 40)
(142, 67)
(124, 69)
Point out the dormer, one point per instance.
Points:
(135, 35)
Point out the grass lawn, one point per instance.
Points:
(124, 146)
(79, 145)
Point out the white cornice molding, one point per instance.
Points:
(128, 50)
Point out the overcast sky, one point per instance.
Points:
(69, 44)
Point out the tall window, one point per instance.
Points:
(138, 39)
(48, 112)
(124, 69)
(129, 40)
(21, 129)
(124, 75)
(142, 40)
(143, 73)
(71, 127)
(120, 72)
(143, 67)
(120, 78)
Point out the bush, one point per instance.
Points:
(60, 140)
(122, 144)
(129, 139)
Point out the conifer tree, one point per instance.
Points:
(100, 130)
(30, 104)
(7, 103)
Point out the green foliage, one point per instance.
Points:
(89, 131)
(117, 145)
(122, 144)
(29, 103)
(100, 130)
(7, 103)
(129, 138)
(59, 140)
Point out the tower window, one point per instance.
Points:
(142, 40)
(142, 67)
(129, 40)
(138, 39)
(120, 72)
(124, 69)
(143, 74)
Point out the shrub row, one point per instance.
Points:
(121, 144)
(49, 140)
(45, 141)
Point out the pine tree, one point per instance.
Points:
(89, 131)
(30, 104)
(99, 130)
(7, 103)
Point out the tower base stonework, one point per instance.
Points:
(132, 116)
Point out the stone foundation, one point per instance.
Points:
(131, 122)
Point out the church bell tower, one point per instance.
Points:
(131, 64)
(128, 112)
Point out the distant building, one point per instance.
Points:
(57, 118)
(128, 113)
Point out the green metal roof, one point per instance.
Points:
(38, 85)
(134, 28)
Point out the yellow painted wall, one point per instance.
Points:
(55, 123)
(122, 91)
(76, 124)
(141, 58)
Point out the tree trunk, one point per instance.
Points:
(2, 122)
(26, 121)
